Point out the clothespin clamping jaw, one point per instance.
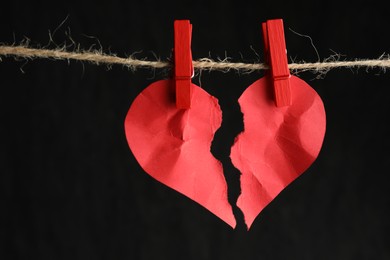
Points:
(184, 69)
(276, 57)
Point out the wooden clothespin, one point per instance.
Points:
(183, 63)
(276, 57)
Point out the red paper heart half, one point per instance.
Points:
(173, 145)
(278, 143)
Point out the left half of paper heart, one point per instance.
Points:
(173, 145)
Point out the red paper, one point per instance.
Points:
(173, 145)
(278, 143)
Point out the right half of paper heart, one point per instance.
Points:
(278, 143)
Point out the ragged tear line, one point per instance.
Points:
(224, 137)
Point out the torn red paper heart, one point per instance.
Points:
(173, 145)
(278, 143)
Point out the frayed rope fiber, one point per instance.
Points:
(98, 57)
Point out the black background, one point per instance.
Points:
(71, 189)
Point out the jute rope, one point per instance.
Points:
(97, 57)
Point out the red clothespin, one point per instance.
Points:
(276, 57)
(183, 63)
